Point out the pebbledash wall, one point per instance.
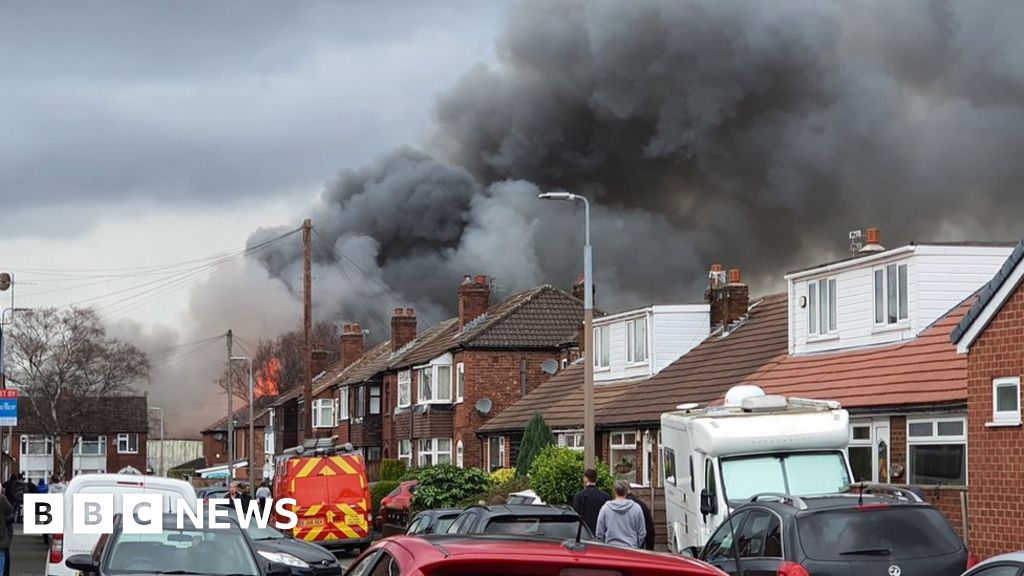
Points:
(996, 453)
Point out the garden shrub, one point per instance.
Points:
(392, 469)
(557, 475)
(536, 437)
(447, 486)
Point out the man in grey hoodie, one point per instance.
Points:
(621, 521)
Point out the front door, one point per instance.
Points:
(870, 450)
(881, 445)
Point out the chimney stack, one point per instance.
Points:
(873, 242)
(730, 299)
(321, 359)
(474, 298)
(351, 344)
(403, 328)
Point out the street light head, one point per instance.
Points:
(240, 358)
(556, 196)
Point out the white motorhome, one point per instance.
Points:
(715, 459)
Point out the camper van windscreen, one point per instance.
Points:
(800, 474)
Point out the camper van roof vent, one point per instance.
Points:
(764, 403)
(737, 394)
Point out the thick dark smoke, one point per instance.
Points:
(749, 133)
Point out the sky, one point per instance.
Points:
(137, 134)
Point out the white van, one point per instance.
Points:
(718, 458)
(68, 544)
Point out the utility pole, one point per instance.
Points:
(231, 414)
(252, 437)
(307, 324)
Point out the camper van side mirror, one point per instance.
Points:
(708, 503)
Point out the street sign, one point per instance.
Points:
(8, 407)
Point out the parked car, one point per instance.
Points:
(522, 520)
(205, 494)
(433, 521)
(448, 554)
(186, 550)
(1011, 564)
(524, 497)
(394, 508)
(844, 534)
(303, 558)
(70, 543)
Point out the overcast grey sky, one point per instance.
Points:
(140, 133)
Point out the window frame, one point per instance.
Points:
(25, 439)
(127, 438)
(433, 450)
(1005, 417)
(881, 286)
(602, 343)
(460, 382)
(407, 455)
(935, 439)
(374, 395)
(320, 406)
(460, 454)
(822, 307)
(636, 341)
(668, 464)
(100, 440)
(577, 440)
(405, 385)
(434, 370)
(491, 467)
(862, 443)
(344, 402)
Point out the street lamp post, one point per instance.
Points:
(163, 471)
(589, 452)
(252, 441)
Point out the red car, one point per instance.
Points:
(394, 508)
(475, 555)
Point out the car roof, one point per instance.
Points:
(441, 512)
(524, 510)
(825, 502)
(434, 548)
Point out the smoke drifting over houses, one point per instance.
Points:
(736, 132)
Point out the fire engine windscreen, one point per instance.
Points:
(799, 474)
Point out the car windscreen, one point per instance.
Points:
(799, 473)
(897, 532)
(213, 552)
(544, 526)
(441, 527)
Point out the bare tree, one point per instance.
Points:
(287, 349)
(66, 365)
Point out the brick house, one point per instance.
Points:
(215, 440)
(737, 336)
(991, 339)
(110, 438)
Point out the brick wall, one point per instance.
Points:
(995, 457)
(898, 446)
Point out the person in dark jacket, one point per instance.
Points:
(648, 521)
(588, 502)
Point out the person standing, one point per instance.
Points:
(41, 487)
(588, 502)
(56, 485)
(6, 533)
(648, 520)
(263, 494)
(621, 522)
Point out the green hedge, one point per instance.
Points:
(378, 491)
(392, 470)
(446, 486)
(557, 475)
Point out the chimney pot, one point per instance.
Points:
(355, 329)
(481, 279)
(716, 267)
(735, 276)
(874, 236)
(467, 279)
(399, 311)
(410, 312)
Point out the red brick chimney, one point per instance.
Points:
(351, 344)
(403, 328)
(474, 298)
(728, 296)
(321, 358)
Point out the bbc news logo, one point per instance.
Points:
(144, 513)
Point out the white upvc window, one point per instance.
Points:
(36, 445)
(891, 294)
(602, 355)
(495, 453)
(937, 450)
(374, 400)
(268, 441)
(460, 382)
(459, 454)
(91, 446)
(404, 389)
(623, 449)
(822, 312)
(127, 443)
(636, 340)
(343, 403)
(323, 413)
(572, 440)
(435, 451)
(1006, 400)
(405, 451)
(434, 384)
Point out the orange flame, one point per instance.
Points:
(267, 378)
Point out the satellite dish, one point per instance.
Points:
(549, 366)
(484, 405)
(5, 281)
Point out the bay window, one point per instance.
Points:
(937, 450)
(434, 384)
(435, 451)
(36, 445)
